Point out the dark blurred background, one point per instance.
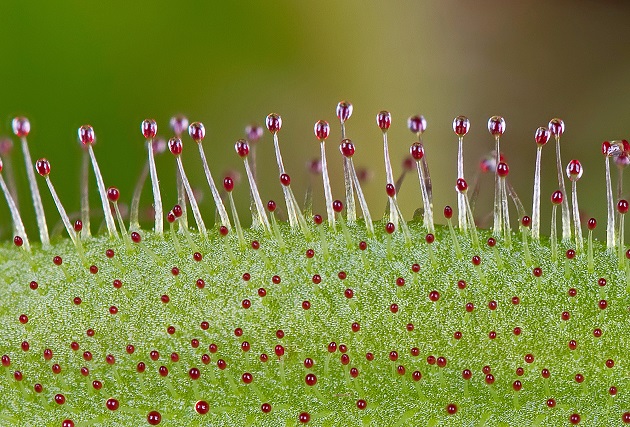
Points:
(115, 63)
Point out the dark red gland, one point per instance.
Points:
(112, 404)
(461, 125)
(448, 212)
(603, 304)
(462, 185)
(228, 184)
(451, 409)
(271, 206)
(265, 407)
(622, 207)
(197, 131)
(466, 374)
(344, 111)
(517, 385)
(18, 241)
(393, 356)
(390, 190)
(574, 170)
(322, 130)
(417, 124)
(556, 127)
(489, 379)
(347, 148)
(247, 378)
(337, 206)
(113, 194)
(175, 145)
(417, 151)
(390, 228)
(574, 419)
(285, 179)
(78, 225)
(86, 135)
(526, 221)
(361, 404)
(476, 260)
(570, 254)
(557, 197)
(202, 407)
(43, 167)
(496, 125)
(431, 360)
(242, 148)
(135, 237)
(310, 379)
(541, 136)
(537, 272)
(304, 417)
(384, 120)
(434, 296)
(429, 238)
(21, 126)
(529, 358)
(149, 128)
(503, 170)
(273, 122)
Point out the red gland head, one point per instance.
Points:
(86, 135)
(448, 212)
(607, 149)
(285, 179)
(496, 125)
(178, 124)
(197, 131)
(347, 148)
(322, 130)
(592, 223)
(273, 122)
(556, 127)
(461, 125)
(526, 221)
(462, 185)
(43, 167)
(344, 111)
(242, 148)
(417, 124)
(557, 197)
(503, 170)
(253, 132)
(337, 206)
(21, 126)
(622, 207)
(574, 170)
(541, 136)
(417, 151)
(149, 128)
(228, 184)
(113, 194)
(390, 190)
(1, 165)
(384, 120)
(175, 145)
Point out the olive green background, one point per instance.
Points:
(114, 63)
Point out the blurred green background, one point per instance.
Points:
(115, 63)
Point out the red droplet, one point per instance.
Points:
(135, 237)
(154, 418)
(310, 379)
(489, 379)
(626, 417)
(175, 145)
(361, 404)
(390, 227)
(67, 423)
(526, 221)
(551, 403)
(112, 404)
(462, 185)
(556, 127)
(304, 417)
(202, 407)
(461, 125)
(197, 131)
(273, 122)
(451, 409)
(572, 292)
(556, 197)
(470, 307)
(574, 419)
(86, 135)
(537, 272)
(285, 179)
(247, 378)
(43, 167)
(113, 194)
(417, 124)
(517, 386)
(503, 169)
(417, 151)
(603, 304)
(529, 358)
(541, 136)
(476, 260)
(21, 126)
(279, 350)
(33, 285)
(347, 148)
(18, 241)
(434, 296)
(622, 206)
(60, 399)
(348, 293)
(265, 407)
(337, 206)
(574, 170)
(228, 184)
(496, 125)
(429, 238)
(322, 130)
(344, 111)
(390, 190)
(148, 128)
(78, 225)
(306, 305)
(384, 120)
(393, 308)
(597, 332)
(516, 331)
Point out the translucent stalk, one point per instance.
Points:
(461, 203)
(536, 199)
(393, 214)
(109, 218)
(64, 218)
(327, 189)
(262, 216)
(201, 226)
(577, 223)
(181, 201)
(566, 214)
(225, 220)
(610, 226)
(293, 220)
(237, 223)
(553, 237)
(134, 223)
(426, 200)
(621, 242)
(351, 210)
(157, 197)
(497, 228)
(362, 202)
(18, 225)
(37, 200)
(505, 208)
(85, 195)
